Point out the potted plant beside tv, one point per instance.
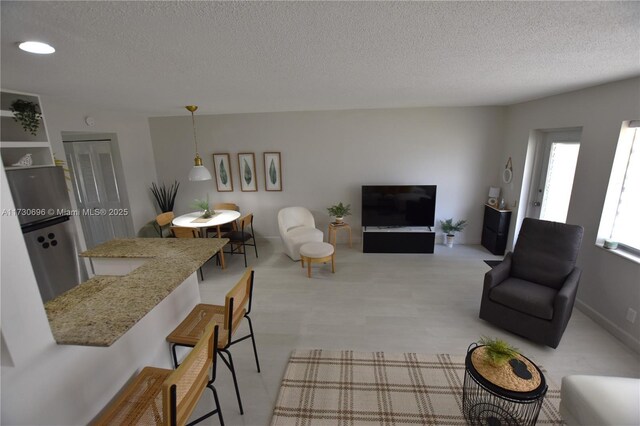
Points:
(339, 211)
(450, 228)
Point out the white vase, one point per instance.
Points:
(339, 219)
(448, 240)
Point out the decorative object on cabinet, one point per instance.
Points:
(450, 229)
(199, 171)
(25, 161)
(272, 171)
(495, 229)
(339, 211)
(222, 169)
(27, 114)
(494, 193)
(507, 173)
(165, 197)
(247, 171)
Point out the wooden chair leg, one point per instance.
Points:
(333, 263)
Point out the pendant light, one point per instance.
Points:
(198, 172)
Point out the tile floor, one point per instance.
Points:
(378, 302)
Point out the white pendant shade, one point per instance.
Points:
(199, 173)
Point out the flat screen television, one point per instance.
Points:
(398, 205)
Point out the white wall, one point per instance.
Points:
(328, 155)
(134, 144)
(609, 284)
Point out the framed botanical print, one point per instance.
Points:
(272, 171)
(247, 171)
(222, 167)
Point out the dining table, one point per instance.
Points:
(217, 219)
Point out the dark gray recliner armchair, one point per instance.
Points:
(531, 293)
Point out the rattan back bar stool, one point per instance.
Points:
(236, 307)
(159, 396)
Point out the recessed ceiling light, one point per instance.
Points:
(36, 47)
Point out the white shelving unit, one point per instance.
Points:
(15, 142)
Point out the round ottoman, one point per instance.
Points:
(317, 253)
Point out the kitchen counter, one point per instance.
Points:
(102, 309)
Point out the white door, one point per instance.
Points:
(99, 189)
(553, 179)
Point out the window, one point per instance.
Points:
(622, 204)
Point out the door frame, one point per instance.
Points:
(542, 141)
(112, 138)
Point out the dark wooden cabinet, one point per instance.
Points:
(495, 229)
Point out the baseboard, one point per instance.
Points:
(616, 331)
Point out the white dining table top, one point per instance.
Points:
(219, 218)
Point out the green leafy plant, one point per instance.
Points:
(224, 178)
(248, 176)
(273, 175)
(339, 210)
(202, 205)
(165, 197)
(450, 228)
(498, 352)
(27, 114)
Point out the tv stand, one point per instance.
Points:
(400, 239)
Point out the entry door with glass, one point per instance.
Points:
(554, 176)
(99, 187)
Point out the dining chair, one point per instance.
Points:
(240, 238)
(227, 227)
(237, 305)
(161, 396)
(163, 221)
(184, 232)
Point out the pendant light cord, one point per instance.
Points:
(195, 140)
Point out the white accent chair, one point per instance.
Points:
(600, 400)
(297, 227)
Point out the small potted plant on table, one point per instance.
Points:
(450, 228)
(339, 211)
(204, 206)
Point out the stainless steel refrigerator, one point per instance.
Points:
(43, 209)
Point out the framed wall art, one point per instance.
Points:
(272, 171)
(222, 167)
(247, 172)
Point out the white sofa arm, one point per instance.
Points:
(600, 400)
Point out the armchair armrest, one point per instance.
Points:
(498, 274)
(563, 304)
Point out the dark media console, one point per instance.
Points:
(397, 240)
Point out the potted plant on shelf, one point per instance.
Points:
(450, 229)
(165, 197)
(27, 114)
(339, 211)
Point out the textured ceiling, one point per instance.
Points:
(226, 57)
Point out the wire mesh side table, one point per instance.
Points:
(495, 398)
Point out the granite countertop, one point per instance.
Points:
(100, 310)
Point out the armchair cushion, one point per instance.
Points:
(546, 252)
(526, 297)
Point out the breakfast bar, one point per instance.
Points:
(102, 309)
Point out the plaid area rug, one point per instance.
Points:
(363, 388)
